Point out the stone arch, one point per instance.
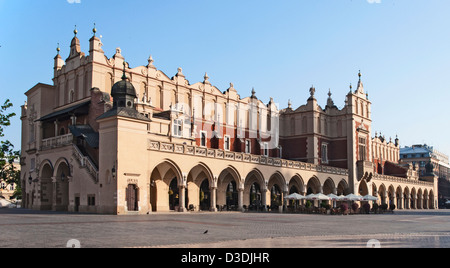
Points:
(363, 188)
(391, 195)
(419, 199)
(277, 188)
(342, 188)
(374, 190)
(313, 186)
(160, 181)
(200, 181)
(382, 194)
(255, 188)
(328, 187)
(406, 198)
(61, 179)
(296, 185)
(46, 184)
(425, 199)
(431, 201)
(228, 186)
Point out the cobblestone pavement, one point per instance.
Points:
(26, 228)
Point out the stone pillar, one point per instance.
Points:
(213, 199)
(264, 199)
(182, 198)
(54, 193)
(241, 199)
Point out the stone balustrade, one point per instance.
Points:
(240, 157)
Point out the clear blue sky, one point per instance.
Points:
(279, 47)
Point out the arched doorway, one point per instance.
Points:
(277, 187)
(46, 186)
(228, 190)
(275, 196)
(328, 187)
(164, 187)
(313, 186)
(342, 188)
(205, 195)
(61, 191)
(232, 195)
(255, 195)
(199, 183)
(174, 198)
(363, 189)
(382, 194)
(254, 190)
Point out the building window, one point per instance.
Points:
(324, 153)
(91, 200)
(266, 149)
(178, 127)
(226, 141)
(203, 138)
(362, 149)
(248, 146)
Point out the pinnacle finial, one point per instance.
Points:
(124, 76)
(58, 49)
(75, 31)
(94, 30)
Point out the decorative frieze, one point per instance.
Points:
(240, 157)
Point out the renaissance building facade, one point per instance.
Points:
(108, 138)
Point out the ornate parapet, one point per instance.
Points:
(402, 180)
(240, 157)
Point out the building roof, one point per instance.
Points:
(124, 112)
(415, 150)
(78, 108)
(88, 134)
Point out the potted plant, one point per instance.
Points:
(366, 208)
(344, 208)
(375, 208)
(355, 206)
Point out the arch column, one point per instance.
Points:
(182, 194)
(241, 199)
(264, 198)
(213, 189)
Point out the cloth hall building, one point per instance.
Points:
(108, 138)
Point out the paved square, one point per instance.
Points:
(27, 228)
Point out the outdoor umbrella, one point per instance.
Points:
(319, 196)
(353, 197)
(294, 196)
(335, 197)
(370, 198)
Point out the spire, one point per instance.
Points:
(206, 77)
(312, 91)
(75, 48)
(124, 76)
(360, 87)
(330, 102)
(253, 93)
